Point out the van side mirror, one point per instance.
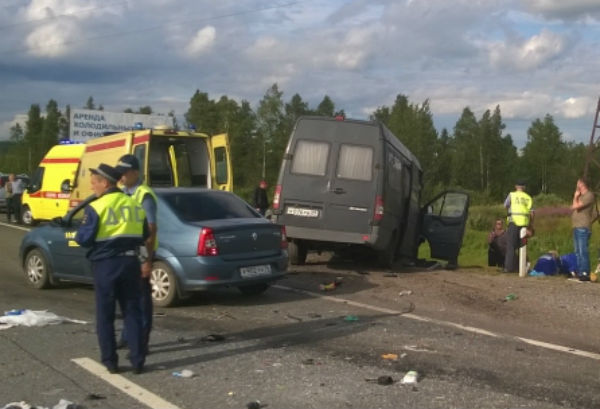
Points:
(65, 186)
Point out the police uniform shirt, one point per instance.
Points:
(86, 236)
(148, 202)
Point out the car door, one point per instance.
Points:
(222, 177)
(69, 257)
(443, 224)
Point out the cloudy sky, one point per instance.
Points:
(532, 57)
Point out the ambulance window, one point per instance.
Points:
(221, 165)
(36, 180)
(140, 153)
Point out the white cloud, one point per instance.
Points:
(52, 39)
(528, 54)
(564, 9)
(576, 107)
(6, 125)
(355, 48)
(202, 41)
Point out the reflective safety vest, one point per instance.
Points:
(119, 216)
(520, 207)
(138, 196)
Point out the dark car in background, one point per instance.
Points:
(207, 238)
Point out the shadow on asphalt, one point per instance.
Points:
(263, 338)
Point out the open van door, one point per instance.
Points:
(222, 177)
(443, 224)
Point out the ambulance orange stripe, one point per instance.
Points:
(106, 145)
(141, 139)
(60, 160)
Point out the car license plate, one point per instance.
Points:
(299, 211)
(255, 271)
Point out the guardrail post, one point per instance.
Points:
(522, 253)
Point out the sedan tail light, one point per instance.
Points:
(284, 242)
(207, 244)
(276, 197)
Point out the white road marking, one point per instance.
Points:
(14, 226)
(124, 385)
(475, 330)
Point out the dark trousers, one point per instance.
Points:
(147, 312)
(495, 256)
(513, 242)
(16, 204)
(9, 208)
(118, 280)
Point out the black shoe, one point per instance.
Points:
(584, 278)
(138, 369)
(112, 369)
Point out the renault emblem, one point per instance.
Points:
(254, 236)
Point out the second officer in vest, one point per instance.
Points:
(129, 167)
(520, 214)
(113, 227)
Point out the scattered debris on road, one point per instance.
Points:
(510, 297)
(29, 318)
(381, 380)
(186, 373)
(212, 338)
(405, 292)
(391, 357)
(351, 318)
(62, 404)
(410, 378)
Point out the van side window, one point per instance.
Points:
(36, 179)
(355, 162)
(310, 157)
(221, 165)
(140, 153)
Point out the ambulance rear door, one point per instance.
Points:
(222, 177)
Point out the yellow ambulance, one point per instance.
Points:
(168, 158)
(49, 189)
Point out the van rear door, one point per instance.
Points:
(443, 224)
(222, 177)
(330, 181)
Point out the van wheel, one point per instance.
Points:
(297, 252)
(27, 217)
(387, 257)
(164, 285)
(37, 269)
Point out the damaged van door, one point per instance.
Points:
(443, 222)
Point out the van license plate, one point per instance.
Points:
(299, 211)
(255, 271)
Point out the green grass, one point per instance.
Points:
(552, 232)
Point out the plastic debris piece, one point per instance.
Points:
(328, 287)
(391, 357)
(351, 318)
(410, 378)
(510, 297)
(385, 380)
(31, 318)
(255, 405)
(231, 393)
(405, 292)
(14, 312)
(213, 338)
(186, 373)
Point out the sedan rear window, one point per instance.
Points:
(198, 207)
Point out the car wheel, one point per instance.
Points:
(253, 289)
(37, 269)
(297, 252)
(27, 217)
(164, 285)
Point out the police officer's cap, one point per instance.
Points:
(108, 172)
(521, 182)
(128, 162)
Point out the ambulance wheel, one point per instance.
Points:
(297, 252)
(37, 269)
(27, 217)
(164, 285)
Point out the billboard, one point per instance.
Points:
(86, 124)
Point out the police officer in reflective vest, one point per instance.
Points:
(129, 167)
(520, 214)
(113, 227)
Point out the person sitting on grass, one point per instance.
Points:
(497, 244)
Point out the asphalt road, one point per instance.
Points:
(292, 347)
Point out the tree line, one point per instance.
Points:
(476, 155)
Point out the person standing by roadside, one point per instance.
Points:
(129, 167)
(17, 193)
(581, 220)
(113, 227)
(520, 214)
(261, 203)
(497, 244)
(8, 189)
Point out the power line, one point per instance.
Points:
(146, 29)
(37, 20)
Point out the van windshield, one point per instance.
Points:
(180, 162)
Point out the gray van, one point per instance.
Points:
(349, 182)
